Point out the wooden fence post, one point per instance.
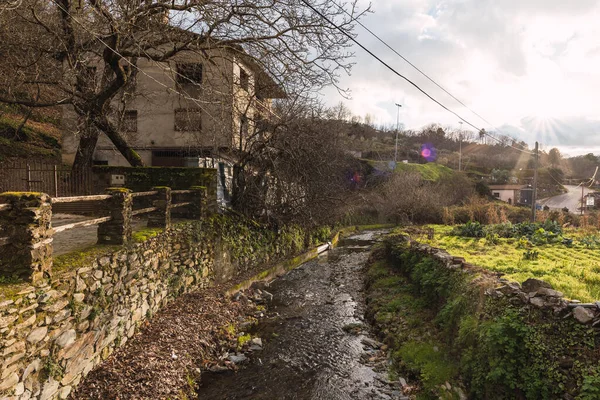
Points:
(119, 207)
(161, 218)
(27, 224)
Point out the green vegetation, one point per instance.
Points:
(81, 258)
(36, 139)
(430, 171)
(440, 329)
(570, 266)
(144, 234)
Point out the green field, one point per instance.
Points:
(430, 171)
(575, 270)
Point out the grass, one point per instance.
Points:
(408, 326)
(38, 139)
(575, 270)
(430, 171)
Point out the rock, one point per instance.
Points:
(66, 338)
(79, 297)
(537, 301)
(548, 292)
(218, 369)
(64, 392)
(15, 348)
(257, 341)
(533, 285)
(49, 390)
(37, 335)
(46, 297)
(5, 321)
(33, 367)
(237, 358)
(583, 315)
(9, 382)
(19, 389)
(371, 343)
(267, 296)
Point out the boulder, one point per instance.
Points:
(533, 285)
(583, 315)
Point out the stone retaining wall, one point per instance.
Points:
(532, 293)
(54, 332)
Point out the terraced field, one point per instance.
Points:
(575, 270)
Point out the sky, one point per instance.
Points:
(530, 67)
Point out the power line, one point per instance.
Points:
(422, 73)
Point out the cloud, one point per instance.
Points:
(517, 63)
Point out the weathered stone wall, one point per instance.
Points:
(53, 333)
(532, 293)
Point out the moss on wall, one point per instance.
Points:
(442, 328)
(145, 178)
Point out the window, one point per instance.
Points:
(244, 79)
(496, 194)
(129, 123)
(188, 119)
(189, 73)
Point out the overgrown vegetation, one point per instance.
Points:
(567, 259)
(36, 139)
(449, 339)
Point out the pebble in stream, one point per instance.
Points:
(305, 351)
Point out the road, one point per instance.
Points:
(571, 199)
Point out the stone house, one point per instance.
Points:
(194, 110)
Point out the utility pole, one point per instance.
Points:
(397, 127)
(535, 176)
(460, 146)
(582, 204)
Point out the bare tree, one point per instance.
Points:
(82, 53)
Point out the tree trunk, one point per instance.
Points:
(132, 157)
(85, 151)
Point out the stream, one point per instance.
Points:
(315, 342)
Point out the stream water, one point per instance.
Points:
(309, 350)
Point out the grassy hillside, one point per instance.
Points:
(36, 140)
(430, 171)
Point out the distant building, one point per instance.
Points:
(511, 194)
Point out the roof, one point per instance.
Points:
(507, 187)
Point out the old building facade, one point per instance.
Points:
(190, 111)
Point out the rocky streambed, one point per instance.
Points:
(310, 340)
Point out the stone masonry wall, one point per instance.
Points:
(54, 332)
(532, 293)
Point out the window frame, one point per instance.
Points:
(186, 128)
(126, 120)
(186, 75)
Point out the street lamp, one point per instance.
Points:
(460, 146)
(397, 126)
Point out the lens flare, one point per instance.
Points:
(428, 152)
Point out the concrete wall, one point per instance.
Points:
(506, 194)
(52, 334)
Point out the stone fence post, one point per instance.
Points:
(27, 225)
(161, 218)
(119, 207)
(198, 208)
